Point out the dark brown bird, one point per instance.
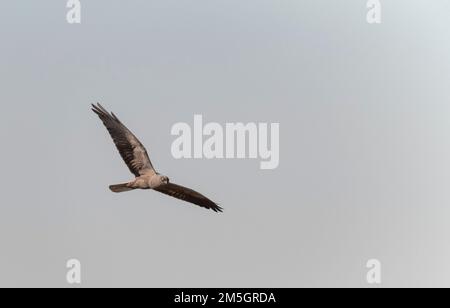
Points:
(136, 158)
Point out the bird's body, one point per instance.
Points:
(135, 156)
(147, 181)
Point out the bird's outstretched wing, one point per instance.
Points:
(130, 148)
(188, 195)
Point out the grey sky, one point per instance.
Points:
(364, 119)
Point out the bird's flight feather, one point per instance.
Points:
(130, 148)
(189, 195)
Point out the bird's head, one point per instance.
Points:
(164, 179)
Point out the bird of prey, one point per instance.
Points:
(135, 156)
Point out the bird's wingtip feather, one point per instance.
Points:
(216, 208)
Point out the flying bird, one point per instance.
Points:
(136, 158)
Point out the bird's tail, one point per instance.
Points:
(117, 188)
